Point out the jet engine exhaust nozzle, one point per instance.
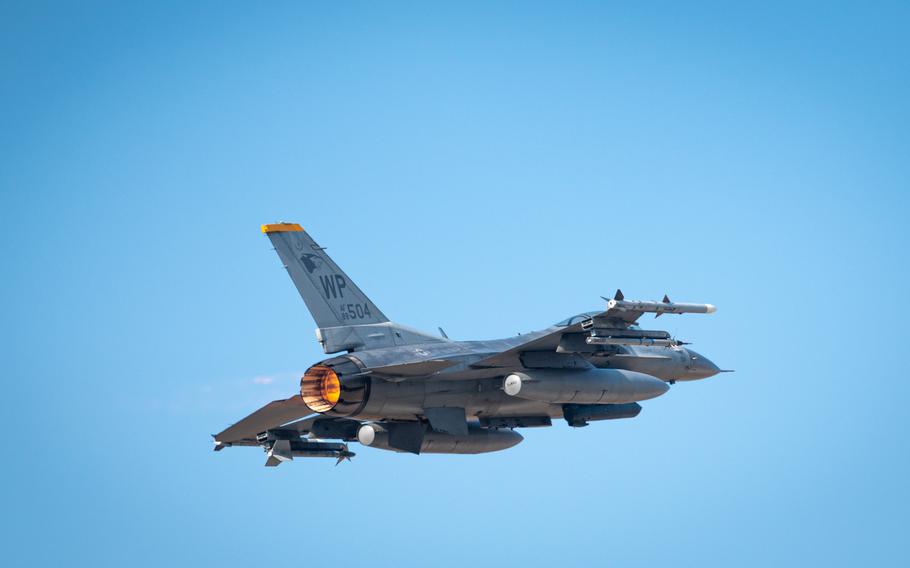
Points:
(320, 388)
(336, 387)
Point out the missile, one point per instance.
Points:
(659, 307)
(285, 445)
(619, 303)
(646, 341)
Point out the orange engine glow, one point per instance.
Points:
(320, 388)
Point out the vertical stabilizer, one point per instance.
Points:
(332, 298)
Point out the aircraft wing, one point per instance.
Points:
(610, 327)
(271, 415)
(547, 340)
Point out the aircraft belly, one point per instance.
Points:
(406, 400)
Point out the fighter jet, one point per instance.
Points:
(392, 387)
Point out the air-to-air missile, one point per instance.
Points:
(658, 308)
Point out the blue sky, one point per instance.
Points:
(488, 167)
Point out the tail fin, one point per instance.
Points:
(332, 298)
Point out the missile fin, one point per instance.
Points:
(666, 300)
(344, 455)
(279, 452)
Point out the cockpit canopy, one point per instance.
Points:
(575, 319)
(581, 317)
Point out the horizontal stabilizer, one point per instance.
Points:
(271, 415)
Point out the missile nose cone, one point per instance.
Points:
(711, 308)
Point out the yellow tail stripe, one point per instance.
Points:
(281, 227)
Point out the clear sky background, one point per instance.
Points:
(491, 168)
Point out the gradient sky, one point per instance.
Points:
(491, 168)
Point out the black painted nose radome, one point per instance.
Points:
(700, 367)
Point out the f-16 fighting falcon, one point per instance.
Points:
(396, 388)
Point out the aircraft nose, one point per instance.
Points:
(700, 367)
